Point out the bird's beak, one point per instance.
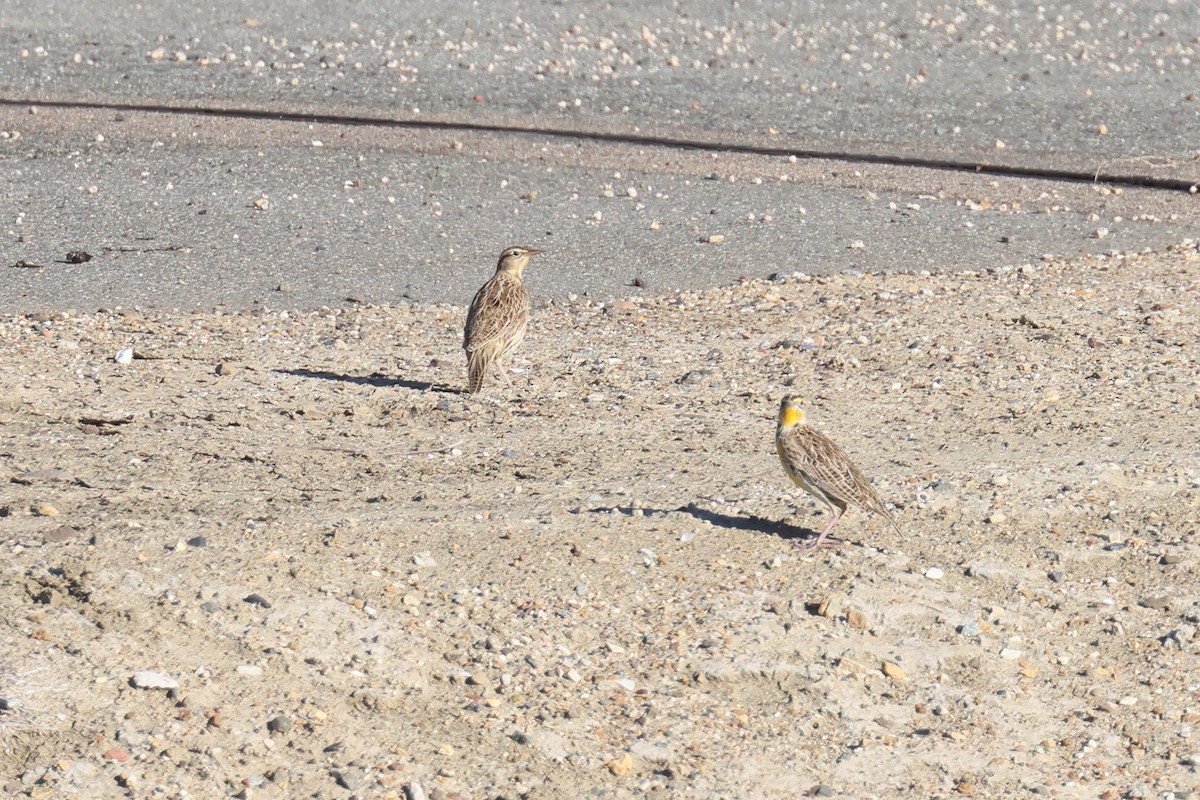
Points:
(532, 252)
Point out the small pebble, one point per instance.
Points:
(934, 573)
(349, 779)
(257, 600)
(621, 766)
(153, 680)
(279, 723)
(60, 534)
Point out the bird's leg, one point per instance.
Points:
(503, 373)
(823, 538)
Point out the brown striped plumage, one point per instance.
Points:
(498, 317)
(817, 465)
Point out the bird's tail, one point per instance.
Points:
(477, 365)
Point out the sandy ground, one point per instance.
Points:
(364, 583)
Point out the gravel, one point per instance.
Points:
(424, 610)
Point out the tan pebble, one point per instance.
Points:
(621, 766)
(412, 600)
(857, 619)
(45, 510)
(894, 671)
(832, 606)
(226, 368)
(620, 307)
(715, 238)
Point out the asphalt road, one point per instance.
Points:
(182, 209)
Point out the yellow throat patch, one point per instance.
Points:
(791, 415)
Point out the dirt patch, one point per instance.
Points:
(361, 579)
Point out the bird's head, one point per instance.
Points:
(515, 258)
(791, 411)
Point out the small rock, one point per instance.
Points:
(226, 368)
(935, 573)
(996, 517)
(823, 791)
(970, 628)
(197, 541)
(44, 510)
(153, 680)
(257, 600)
(349, 779)
(30, 477)
(124, 356)
(424, 559)
(832, 605)
(1010, 653)
(59, 534)
(715, 238)
(77, 257)
(116, 754)
(894, 671)
(1160, 602)
(279, 723)
(1057, 576)
(415, 791)
(478, 679)
(621, 766)
(249, 670)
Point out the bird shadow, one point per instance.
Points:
(375, 379)
(784, 530)
(750, 522)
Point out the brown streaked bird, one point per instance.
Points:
(498, 317)
(819, 467)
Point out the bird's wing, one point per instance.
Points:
(831, 470)
(499, 306)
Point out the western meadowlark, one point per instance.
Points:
(819, 467)
(498, 317)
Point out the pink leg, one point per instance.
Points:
(823, 538)
(503, 373)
